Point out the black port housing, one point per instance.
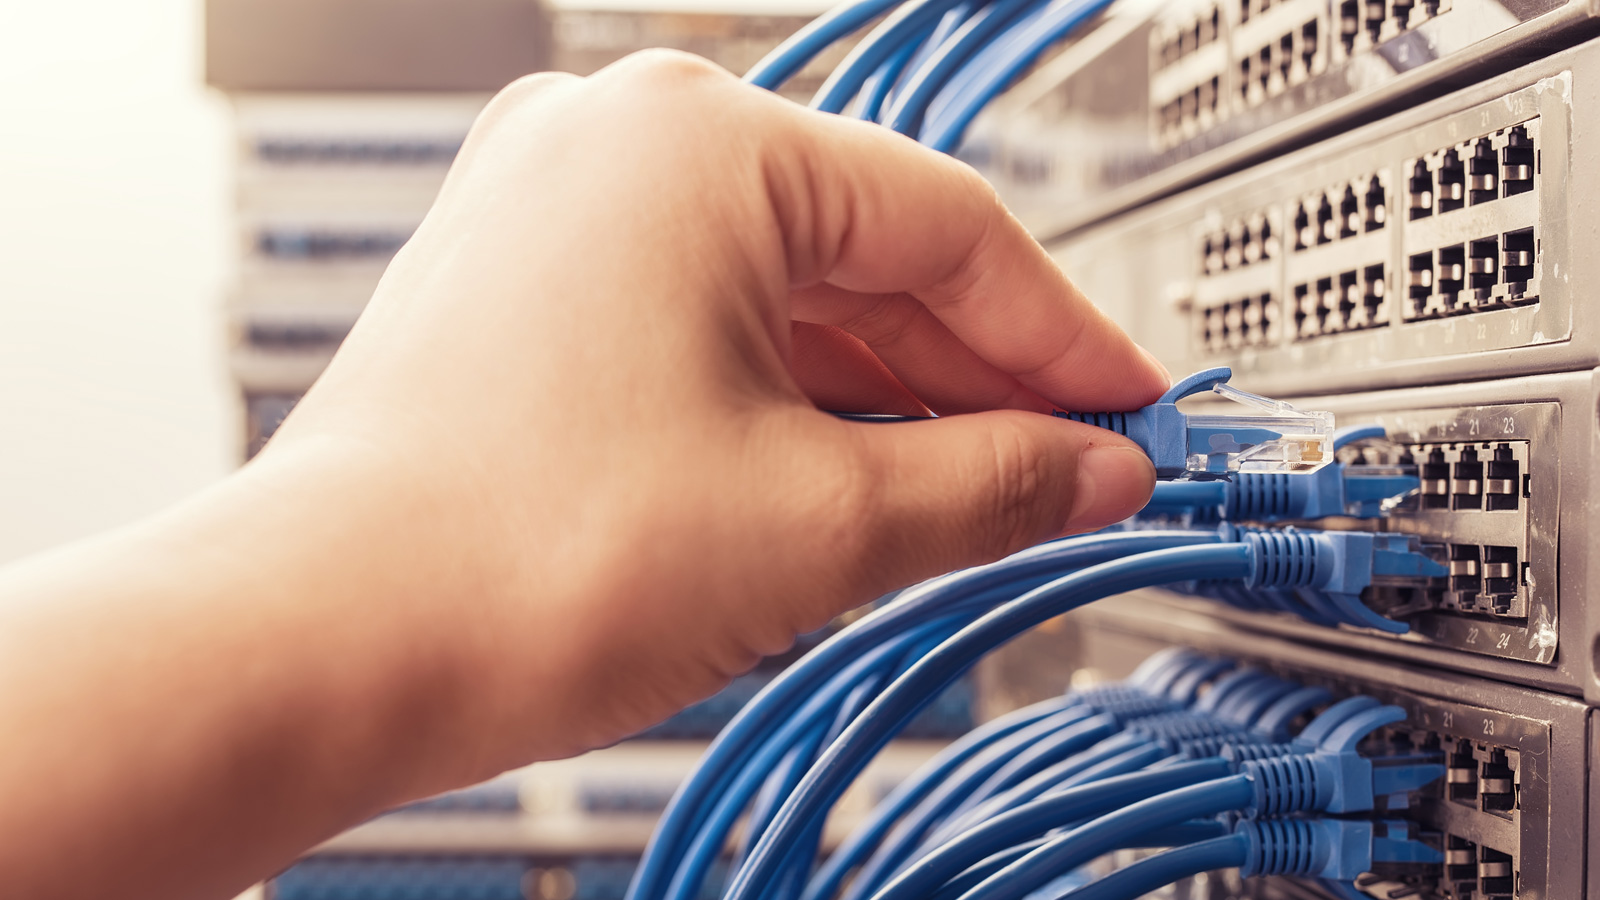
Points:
(1375, 16)
(1521, 253)
(1503, 483)
(1438, 471)
(1302, 226)
(1502, 573)
(1349, 23)
(1518, 161)
(1419, 191)
(1451, 272)
(1498, 784)
(1308, 45)
(1374, 290)
(1483, 173)
(1326, 228)
(1461, 774)
(1483, 263)
(1285, 56)
(1466, 481)
(1304, 310)
(1349, 214)
(1375, 201)
(1451, 193)
(1421, 281)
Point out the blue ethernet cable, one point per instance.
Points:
(878, 87)
(819, 34)
(1329, 849)
(909, 23)
(1058, 809)
(845, 758)
(992, 75)
(1338, 489)
(961, 593)
(927, 79)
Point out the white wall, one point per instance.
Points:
(114, 254)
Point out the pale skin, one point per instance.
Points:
(568, 475)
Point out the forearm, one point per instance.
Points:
(190, 701)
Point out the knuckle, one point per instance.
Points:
(887, 322)
(526, 91)
(662, 68)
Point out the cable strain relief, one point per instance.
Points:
(1283, 559)
(1284, 785)
(1242, 753)
(1259, 495)
(1279, 847)
(1116, 421)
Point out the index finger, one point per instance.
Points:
(881, 213)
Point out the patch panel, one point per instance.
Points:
(1393, 263)
(1508, 816)
(1276, 47)
(1365, 24)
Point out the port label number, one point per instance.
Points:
(1447, 719)
(1473, 632)
(1488, 726)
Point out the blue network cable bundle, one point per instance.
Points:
(1346, 650)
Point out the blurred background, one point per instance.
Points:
(197, 198)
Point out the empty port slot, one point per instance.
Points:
(1303, 235)
(1483, 169)
(1451, 193)
(1451, 273)
(1351, 312)
(1419, 282)
(1286, 56)
(1466, 481)
(1269, 241)
(1520, 250)
(1419, 191)
(1376, 212)
(1461, 866)
(1498, 784)
(1375, 16)
(1517, 162)
(1461, 774)
(1374, 295)
(1245, 80)
(1306, 322)
(1327, 228)
(1466, 570)
(1264, 67)
(1309, 49)
(1349, 214)
(1400, 11)
(1502, 481)
(1496, 875)
(1502, 574)
(1349, 23)
(1483, 263)
(1435, 475)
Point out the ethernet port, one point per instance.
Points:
(1231, 253)
(1502, 483)
(1329, 313)
(1496, 876)
(1483, 264)
(1374, 295)
(1501, 575)
(1520, 249)
(1483, 171)
(1419, 191)
(1264, 67)
(1517, 162)
(1466, 571)
(1269, 241)
(1375, 203)
(1419, 283)
(1466, 481)
(1211, 255)
(1286, 56)
(1375, 16)
(1435, 477)
(1461, 867)
(1253, 236)
(1245, 81)
(1461, 774)
(1309, 47)
(1349, 214)
(1400, 11)
(1498, 784)
(1452, 189)
(1303, 235)
(1306, 322)
(1327, 229)
(1349, 23)
(1450, 274)
(1352, 313)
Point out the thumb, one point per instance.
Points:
(966, 490)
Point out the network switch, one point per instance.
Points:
(1168, 95)
(1508, 816)
(1432, 246)
(1505, 494)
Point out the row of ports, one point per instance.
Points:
(1377, 21)
(1476, 477)
(1243, 242)
(1478, 171)
(1191, 112)
(1273, 68)
(1483, 580)
(1245, 322)
(1489, 273)
(416, 152)
(322, 245)
(1351, 301)
(1181, 38)
(1343, 211)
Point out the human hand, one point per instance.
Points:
(601, 358)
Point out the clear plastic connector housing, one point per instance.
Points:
(1278, 438)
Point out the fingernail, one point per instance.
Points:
(1157, 363)
(1114, 482)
